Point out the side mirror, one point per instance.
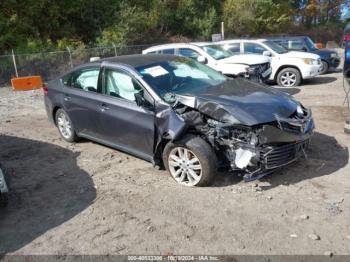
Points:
(267, 53)
(202, 60)
(142, 102)
(304, 49)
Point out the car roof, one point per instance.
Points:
(137, 60)
(241, 39)
(286, 37)
(171, 45)
(177, 45)
(128, 60)
(203, 43)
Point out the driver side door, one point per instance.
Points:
(127, 123)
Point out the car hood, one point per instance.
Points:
(297, 54)
(246, 59)
(240, 101)
(323, 52)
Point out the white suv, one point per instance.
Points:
(255, 67)
(288, 68)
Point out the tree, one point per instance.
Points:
(249, 17)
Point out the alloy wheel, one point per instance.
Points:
(185, 166)
(288, 79)
(64, 125)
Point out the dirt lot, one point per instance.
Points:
(86, 198)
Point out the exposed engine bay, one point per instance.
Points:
(255, 150)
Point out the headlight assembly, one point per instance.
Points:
(334, 55)
(310, 61)
(300, 110)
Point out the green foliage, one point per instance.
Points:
(250, 17)
(40, 25)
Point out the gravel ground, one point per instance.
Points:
(86, 198)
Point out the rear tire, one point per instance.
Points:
(289, 77)
(190, 161)
(4, 195)
(65, 126)
(325, 67)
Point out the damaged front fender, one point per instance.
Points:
(169, 126)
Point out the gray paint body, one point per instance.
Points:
(131, 128)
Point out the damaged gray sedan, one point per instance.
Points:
(175, 112)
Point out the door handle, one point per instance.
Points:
(67, 98)
(104, 107)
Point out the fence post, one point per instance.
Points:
(115, 49)
(70, 57)
(14, 62)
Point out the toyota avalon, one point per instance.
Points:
(181, 114)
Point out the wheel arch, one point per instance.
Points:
(284, 67)
(54, 111)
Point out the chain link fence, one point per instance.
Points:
(52, 64)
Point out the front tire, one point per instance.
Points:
(325, 67)
(65, 126)
(190, 161)
(289, 77)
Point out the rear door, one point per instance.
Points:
(126, 124)
(81, 100)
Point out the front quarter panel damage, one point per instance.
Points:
(252, 150)
(169, 126)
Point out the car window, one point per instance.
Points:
(119, 84)
(217, 52)
(310, 44)
(296, 44)
(85, 79)
(252, 48)
(170, 51)
(234, 48)
(283, 43)
(66, 79)
(276, 47)
(188, 53)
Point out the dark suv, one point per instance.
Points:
(330, 58)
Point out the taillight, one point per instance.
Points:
(347, 38)
(45, 90)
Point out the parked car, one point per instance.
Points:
(288, 68)
(346, 67)
(173, 110)
(254, 67)
(330, 59)
(3, 190)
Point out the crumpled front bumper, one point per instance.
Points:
(259, 73)
(280, 146)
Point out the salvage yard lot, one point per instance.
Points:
(86, 198)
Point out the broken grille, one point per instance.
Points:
(276, 156)
(259, 69)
